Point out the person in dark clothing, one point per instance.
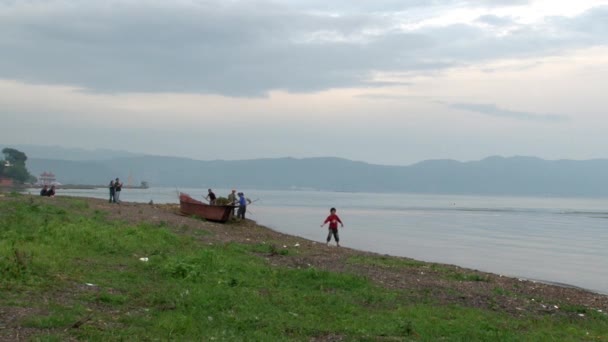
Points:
(242, 206)
(211, 197)
(333, 220)
(44, 191)
(51, 192)
(112, 191)
(117, 189)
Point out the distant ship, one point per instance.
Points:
(142, 185)
(129, 185)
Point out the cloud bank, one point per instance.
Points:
(249, 48)
(493, 110)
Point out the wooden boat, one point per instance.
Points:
(217, 213)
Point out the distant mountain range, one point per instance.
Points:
(62, 153)
(491, 176)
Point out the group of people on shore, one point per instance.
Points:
(333, 219)
(48, 192)
(115, 188)
(235, 199)
(241, 201)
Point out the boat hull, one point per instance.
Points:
(216, 213)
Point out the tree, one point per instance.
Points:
(14, 156)
(13, 165)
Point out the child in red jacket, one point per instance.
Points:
(333, 220)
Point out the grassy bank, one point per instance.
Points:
(72, 271)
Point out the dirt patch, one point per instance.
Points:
(11, 319)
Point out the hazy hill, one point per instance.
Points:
(63, 153)
(493, 175)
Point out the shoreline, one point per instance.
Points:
(519, 278)
(450, 283)
(98, 270)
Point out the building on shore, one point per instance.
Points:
(6, 182)
(47, 178)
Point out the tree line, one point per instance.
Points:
(13, 166)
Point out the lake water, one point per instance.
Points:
(560, 240)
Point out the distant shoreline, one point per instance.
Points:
(78, 187)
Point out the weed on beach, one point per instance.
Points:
(70, 273)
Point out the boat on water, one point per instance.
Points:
(217, 213)
(142, 185)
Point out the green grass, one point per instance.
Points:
(272, 248)
(385, 262)
(192, 291)
(392, 262)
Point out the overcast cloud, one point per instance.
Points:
(493, 110)
(248, 48)
(384, 81)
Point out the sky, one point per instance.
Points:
(381, 81)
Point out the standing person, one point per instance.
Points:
(112, 190)
(242, 206)
(44, 190)
(211, 197)
(232, 199)
(333, 220)
(117, 189)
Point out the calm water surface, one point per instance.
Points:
(561, 240)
